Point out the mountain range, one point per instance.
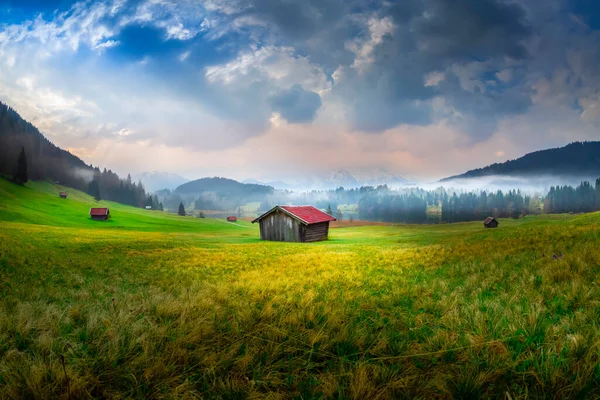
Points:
(577, 159)
(337, 178)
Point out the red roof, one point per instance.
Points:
(307, 214)
(232, 218)
(99, 211)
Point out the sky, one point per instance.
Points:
(271, 89)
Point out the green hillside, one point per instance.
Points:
(152, 305)
(39, 203)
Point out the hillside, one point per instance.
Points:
(578, 159)
(47, 162)
(44, 159)
(224, 187)
(38, 203)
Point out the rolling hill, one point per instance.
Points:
(225, 188)
(578, 159)
(37, 203)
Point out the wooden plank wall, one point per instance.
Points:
(317, 232)
(280, 227)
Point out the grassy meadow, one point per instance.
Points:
(150, 305)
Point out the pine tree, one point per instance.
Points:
(329, 209)
(94, 189)
(21, 176)
(598, 194)
(181, 210)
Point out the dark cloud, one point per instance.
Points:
(466, 29)
(296, 105)
(435, 36)
(426, 36)
(477, 110)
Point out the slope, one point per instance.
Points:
(579, 159)
(38, 203)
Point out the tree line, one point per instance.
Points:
(583, 198)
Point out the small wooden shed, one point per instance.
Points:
(63, 195)
(490, 222)
(99, 214)
(294, 224)
(231, 218)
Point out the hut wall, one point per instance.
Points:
(316, 232)
(99, 217)
(492, 224)
(280, 227)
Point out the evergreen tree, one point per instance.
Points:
(21, 176)
(329, 211)
(181, 210)
(598, 194)
(94, 189)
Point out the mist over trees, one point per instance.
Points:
(583, 198)
(26, 154)
(390, 207)
(475, 206)
(415, 205)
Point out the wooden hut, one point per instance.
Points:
(231, 218)
(99, 214)
(490, 222)
(63, 195)
(294, 224)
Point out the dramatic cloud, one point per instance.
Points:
(383, 82)
(296, 105)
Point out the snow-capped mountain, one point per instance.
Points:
(382, 177)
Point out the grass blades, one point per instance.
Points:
(150, 305)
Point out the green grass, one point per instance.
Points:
(150, 305)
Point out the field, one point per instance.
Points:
(150, 305)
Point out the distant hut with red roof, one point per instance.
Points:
(294, 224)
(99, 214)
(63, 195)
(231, 218)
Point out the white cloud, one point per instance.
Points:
(278, 66)
(179, 32)
(184, 56)
(505, 75)
(434, 78)
(363, 48)
(106, 45)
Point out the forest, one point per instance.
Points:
(22, 145)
